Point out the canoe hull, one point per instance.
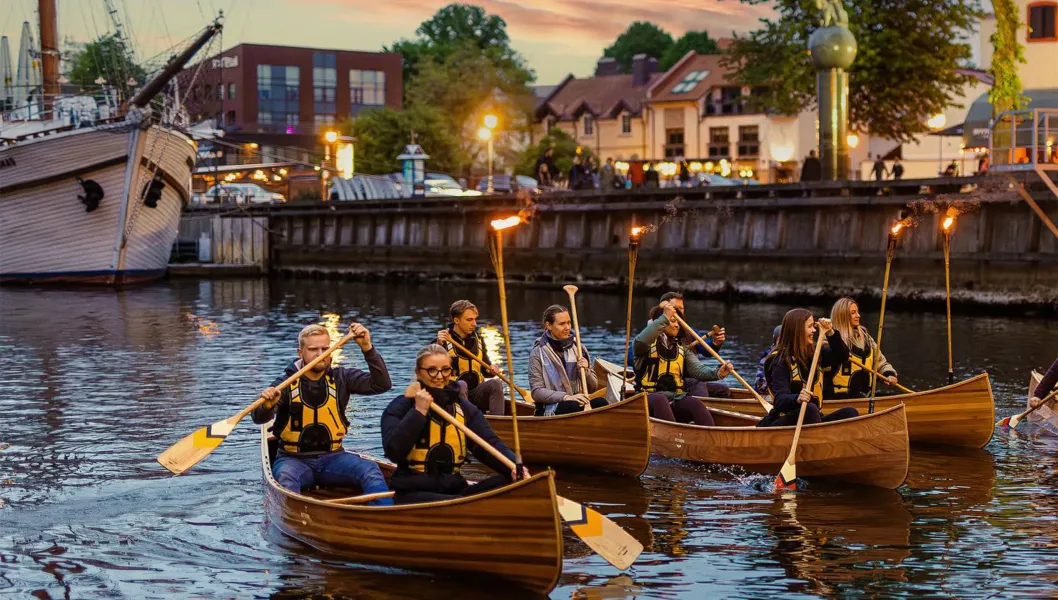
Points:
(962, 415)
(868, 450)
(615, 438)
(511, 534)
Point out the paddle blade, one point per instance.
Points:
(1004, 422)
(602, 535)
(186, 453)
(787, 478)
(1014, 421)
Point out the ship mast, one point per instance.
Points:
(49, 52)
(176, 64)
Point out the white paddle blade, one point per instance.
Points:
(602, 535)
(787, 479)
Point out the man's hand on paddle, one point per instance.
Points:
(443, 337)
(271, 396)
(361, 335)
(719, 335)
(726, 369)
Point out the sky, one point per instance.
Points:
(557, 37)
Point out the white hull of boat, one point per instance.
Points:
(47, 236)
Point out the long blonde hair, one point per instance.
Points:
(841, 317)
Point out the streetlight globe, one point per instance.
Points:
(491, 121)
(937, 121)
(331, 137)
(484, 134)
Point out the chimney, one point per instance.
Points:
(607, 66)
(643, 67)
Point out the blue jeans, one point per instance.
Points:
(338, 468)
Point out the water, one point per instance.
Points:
(98, 383)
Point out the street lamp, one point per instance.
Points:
(485, 135)
(936, 123)
(330, 136)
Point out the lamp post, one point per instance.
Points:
(947, 225)
(486, 134)
(496, 253)
(937, 123)
(330, 137)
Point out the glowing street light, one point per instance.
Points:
(485, 135)
(491, 121)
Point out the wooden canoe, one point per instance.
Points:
(962, 414)
(869, 449)
(511, 534)
(615, 438)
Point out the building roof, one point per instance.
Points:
(678, 85)
(604, 97)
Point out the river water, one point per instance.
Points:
(98, 383)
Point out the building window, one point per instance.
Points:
(277, 97)
(231, 117)
(689, 82)
(748, 141)
(673, 143)
(589, 125)
(220, 91)
(231, 91)
(324, 82)
(1043, 17)
(626, 124)
(367, 88)
(719, 142)
(323, 121)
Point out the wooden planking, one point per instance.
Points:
(512, 533)
(868, 450)
(615, 438)
(962, 414)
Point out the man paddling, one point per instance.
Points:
(486, 391)
(310, 419)
(715, 339)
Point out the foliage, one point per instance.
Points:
(565, 148)
(699, 41)
(1006, 91)
(641, 37)
(905, 70)
(382, 134)
(104, 57)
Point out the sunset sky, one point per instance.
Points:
(556, 36)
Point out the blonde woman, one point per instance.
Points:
(850, 379)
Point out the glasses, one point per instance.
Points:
(443, 371)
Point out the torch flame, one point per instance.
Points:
(636, 231)
(948, 222)
(896, 228)
(501, 224)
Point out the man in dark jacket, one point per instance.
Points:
(812, 169)
(310, 419)
(486, 391)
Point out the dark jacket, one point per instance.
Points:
(347, 381)
(784, 391)
(470, 343)
(1050, 378)
(812, 169)
(402, 426)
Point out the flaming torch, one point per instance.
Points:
(633, 254)
(947, 225)
(890, 249)
(496, 252)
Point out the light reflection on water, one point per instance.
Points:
(98, 383)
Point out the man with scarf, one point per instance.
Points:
(665, 369)
(429, 451)
(554, 378)
(486, 392)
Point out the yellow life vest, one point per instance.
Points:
(442, 448)
(851, 378)
(662, 374)
(313, 428)
(465, 368)
(796, 381)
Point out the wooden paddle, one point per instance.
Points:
(572, 290)
(857, 362)
(1013, 421)
(362, 498)
(189, 451)
(602, 535)
(787, 478)
(767, 405)
(521, 391)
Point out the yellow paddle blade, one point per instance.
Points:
(602, 535)
(787, 479)
(186, 453)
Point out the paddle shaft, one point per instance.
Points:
(507, 343)
(572, 290)
(792, 458)
(1048, 398)
(857, 362)
(633, 254)
(890, 249)
(716, 355)
(363, 498)
(503, 378)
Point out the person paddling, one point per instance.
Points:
(486, 391)
(852, 378)
(1046, 386)
(787, 367)
(310, 419)
(428, 451)
(554, 380)
(665, 369)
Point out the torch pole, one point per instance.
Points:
(947, 294)
(507, 343)
(890, 249)
(633, 255)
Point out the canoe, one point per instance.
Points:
(868, 450)
(512, 534)
(615, 438)
(1045, 415)
(962, 414)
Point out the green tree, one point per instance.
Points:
(699, 41)
(1006, 91)
(104, 57)
(565, 148)
(905, 70)
(641, 37)
(382, 134)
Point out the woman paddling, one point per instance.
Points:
(852, 379)
(663, 368)
(428, 451)
(787, 368)
(553, 364)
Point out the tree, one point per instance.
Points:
(105, 57)
(699, 41)
(905, 69)
(382, 134)
(1006, 91)
(641, 37)
(565, 148)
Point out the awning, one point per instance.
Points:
(977, 128)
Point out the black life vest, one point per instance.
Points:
(313, 426)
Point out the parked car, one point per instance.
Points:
(438, 185)
(503, 184)
(241, 193)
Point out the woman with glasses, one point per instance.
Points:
(554, 380)
(429, 451)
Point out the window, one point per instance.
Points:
(231, 117)
(748, 141)
(626, 124)
(589, 125)
(1042, 19)
(220, 91)
(323, 121)
(231, 91)
(719, 142)
(277, 97)
(324, 82)
(367, 88)
(689, 82)
(673, 143)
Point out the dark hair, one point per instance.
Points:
(671, 296)
(461, 306)
(552, 311)
(794, 345)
